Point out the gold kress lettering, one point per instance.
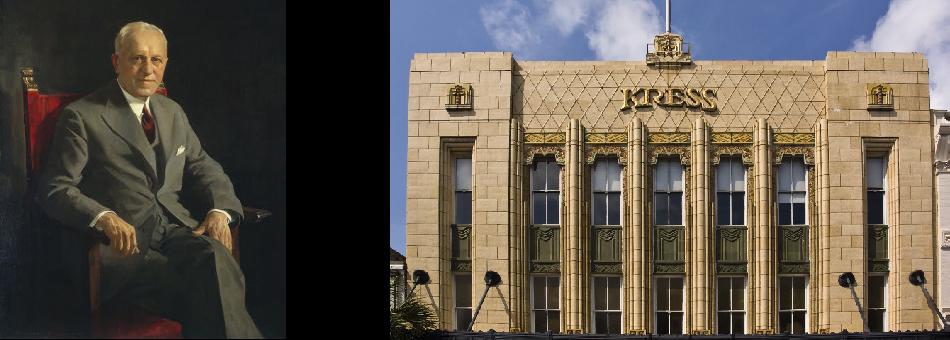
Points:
(692, 98)
(708, 96)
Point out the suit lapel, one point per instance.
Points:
(120, 119)
(163, 120)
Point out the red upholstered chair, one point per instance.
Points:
(110, 320)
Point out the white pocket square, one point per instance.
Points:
(181, 150)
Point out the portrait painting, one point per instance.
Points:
(122, 125)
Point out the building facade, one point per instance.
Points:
(672, 195)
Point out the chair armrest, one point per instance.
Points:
(255, 215)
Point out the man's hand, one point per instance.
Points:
(121, 234)
(216, 224)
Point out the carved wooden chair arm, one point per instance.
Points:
(254, 215)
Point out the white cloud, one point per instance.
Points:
(566, 15)
(510, 25)
(917, 26)
(623, 29)
(615, 29)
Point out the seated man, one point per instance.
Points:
(116, 163)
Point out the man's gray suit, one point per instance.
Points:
(100, 159)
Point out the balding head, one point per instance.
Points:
(122, 38)
(140, 58)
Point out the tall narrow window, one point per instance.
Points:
(545, 304)
(606, 192)
(545, 192)
(731, 229)
(668, 193)
(730, 192)
(668, 246)
(669, 305)
(461, 213)
(731, 305)
(875, 177)
(607, 304)
(793, 245)
(605, 231)
(791, 304)
(877, 243)
(463, 191)
(876, 299)
(463, 301)
(791, 192)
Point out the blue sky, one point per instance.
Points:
(618, 30)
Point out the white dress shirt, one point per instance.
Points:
(137, 104)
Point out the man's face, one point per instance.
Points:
(140, 63)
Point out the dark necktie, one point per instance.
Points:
(148, 124)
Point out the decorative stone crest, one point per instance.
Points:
(459, 97)
(668, 51)
(880, 97)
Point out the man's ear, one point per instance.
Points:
(115, 62)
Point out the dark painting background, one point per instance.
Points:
(227, 70)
